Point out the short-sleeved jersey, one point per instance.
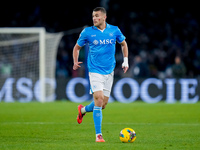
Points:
(101, 55)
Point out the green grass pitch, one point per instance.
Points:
(42, 126)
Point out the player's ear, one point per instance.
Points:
(105, 17)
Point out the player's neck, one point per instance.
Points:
(102, 26)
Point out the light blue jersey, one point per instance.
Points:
(101, 55)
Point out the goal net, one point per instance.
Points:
(27, 64)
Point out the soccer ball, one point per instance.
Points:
(127, 135)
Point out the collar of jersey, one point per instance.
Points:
(107, 26)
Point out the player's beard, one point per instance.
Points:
(98, 25)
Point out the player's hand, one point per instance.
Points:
(77, 65)
(125, 65)
(125, 69)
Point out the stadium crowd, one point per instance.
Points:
(163, 42)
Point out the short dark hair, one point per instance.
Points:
(103, 10)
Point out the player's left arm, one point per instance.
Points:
(124, 47)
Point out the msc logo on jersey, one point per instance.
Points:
(105, 41)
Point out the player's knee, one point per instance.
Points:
(98, 100)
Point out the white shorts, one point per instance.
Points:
(99, 82)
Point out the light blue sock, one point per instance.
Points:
(90, 107)
(97, 116)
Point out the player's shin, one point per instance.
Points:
(97, 116)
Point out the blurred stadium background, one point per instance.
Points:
(163, 41)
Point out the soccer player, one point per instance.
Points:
(102, 38)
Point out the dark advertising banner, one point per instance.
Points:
(125, 90)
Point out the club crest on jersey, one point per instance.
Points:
(111, 34)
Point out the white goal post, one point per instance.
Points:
(35, 41)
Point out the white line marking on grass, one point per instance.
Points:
(165, 124)
(106, 123)
(32, 123)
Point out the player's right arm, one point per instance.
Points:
(76, 50)
(82, 40)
